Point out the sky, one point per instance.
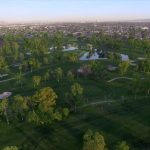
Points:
(73, 10)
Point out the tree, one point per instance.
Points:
(58, 45)
(46, 76)
(45, 60)
(58, 41)
(116, 58)
(123, 67)
(111, 56)
(93, 141)
(3, 109)
(43, 107)
(46, 99)
(15, 49)
(72, 58)
(58, 74)
(19, 105)
(97, 69)
(10, 148)
(65, 112)
(58, 116)
(144, 66)
(122, 146)
(34, 63)
(77, 92)
(33, 117)
(3, 65)
(36, 80)
(90, 47)
(19, 78)
(44, 102)
(70, 76)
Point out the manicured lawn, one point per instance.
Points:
(115, 121)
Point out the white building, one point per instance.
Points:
(124, 57)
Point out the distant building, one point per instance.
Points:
(70, 48)
(124, 57)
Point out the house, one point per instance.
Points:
(93, 56)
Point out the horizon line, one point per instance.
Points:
(76, 21)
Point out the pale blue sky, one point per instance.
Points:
(73, 10)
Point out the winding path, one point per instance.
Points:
(97, 103)
(117, 78)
